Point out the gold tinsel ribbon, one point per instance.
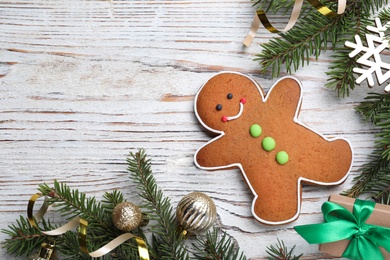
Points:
(261, 17)
(82, 231)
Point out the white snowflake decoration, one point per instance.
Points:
(371, 57)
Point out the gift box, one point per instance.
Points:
(354, 229)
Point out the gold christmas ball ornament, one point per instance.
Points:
(196, 212)
(126, 216)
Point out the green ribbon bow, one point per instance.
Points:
(341, 224)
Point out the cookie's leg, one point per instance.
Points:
(278, 203)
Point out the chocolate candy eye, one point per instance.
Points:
(219, 107)
(230, 96)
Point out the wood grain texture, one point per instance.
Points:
(84, 82)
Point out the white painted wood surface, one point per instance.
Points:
(84, 82)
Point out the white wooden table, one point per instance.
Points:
(83, 83)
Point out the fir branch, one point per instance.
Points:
(340, 73)
(71, 203)
(384, 15)
(216, 247)
(167, 243)
(383, 137)
(69, 247)
(25, 239)
(369, 173)
(294, 48)
(315, 33)
(110, 200)
(380, 186)
(383, 197)
(374, 103)
(272, 5)
(281, 252)
(375, 108)
(113, 198)
(281, 5)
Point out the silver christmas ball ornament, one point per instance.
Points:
(126, 216)
(196, 212)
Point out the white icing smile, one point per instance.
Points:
(229, 118)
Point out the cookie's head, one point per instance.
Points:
(224, 98)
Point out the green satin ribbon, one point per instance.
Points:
(342, 224)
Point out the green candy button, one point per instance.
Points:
(255, 130)
(268, 144)
(282, 157)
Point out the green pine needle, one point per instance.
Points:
(384, 15)
(215, 247)
(72, 203)
(69, 247)
(167, 242)
(375, 175)
(281, 252)
(110, 200)
(25, 239)
(294, 48)
(284, 6)
(376, 108)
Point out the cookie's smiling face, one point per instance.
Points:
(222, 99)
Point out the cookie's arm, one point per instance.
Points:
(285, 97)
(329, 162)
(215, 155)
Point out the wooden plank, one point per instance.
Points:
(83, 83)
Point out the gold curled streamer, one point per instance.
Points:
(142, 248)
(252, 32)
(82, 231)
(261, 17)
(40, 212)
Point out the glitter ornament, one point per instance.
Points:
(126, 216)
(196, 212)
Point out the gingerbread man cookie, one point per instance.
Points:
(262, 136)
